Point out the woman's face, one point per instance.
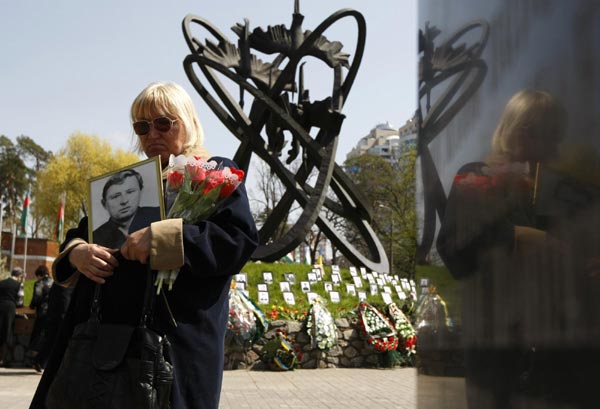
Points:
(166, 143)
(536, 148)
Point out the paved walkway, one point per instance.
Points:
(318, 389)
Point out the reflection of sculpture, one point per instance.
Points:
(273, 113)
(465, 70)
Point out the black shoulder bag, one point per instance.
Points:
(114, 366)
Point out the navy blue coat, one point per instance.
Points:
(214, 250)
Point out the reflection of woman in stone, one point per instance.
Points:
(490, 239)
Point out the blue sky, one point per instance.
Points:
(76, 66)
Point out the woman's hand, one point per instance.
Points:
(137, 245)
(93, 261)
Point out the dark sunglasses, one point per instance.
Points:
(161, 124)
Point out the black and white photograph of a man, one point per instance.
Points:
(124, 202)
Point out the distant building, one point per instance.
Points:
(39, 251)
(388, 142)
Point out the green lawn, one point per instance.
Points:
(345, 307)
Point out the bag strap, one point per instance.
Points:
(147, 307)
(149, 296)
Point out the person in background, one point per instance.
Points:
(207, 255)
(11, 297)
(39, 302)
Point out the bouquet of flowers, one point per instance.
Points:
(246, 323)
(376, 328)
(278, 353)
(321, 327)
(195, 188)
(406, 332)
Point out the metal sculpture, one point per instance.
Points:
(273, 113)
(465, 70)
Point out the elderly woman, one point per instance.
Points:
(207, 254)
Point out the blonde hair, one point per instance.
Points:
(168, 99)
(538, 113)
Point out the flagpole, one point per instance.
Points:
(24, 216)
(64, 209)
(25, 256)
(60, 220)
(12, 247)
(1, 221)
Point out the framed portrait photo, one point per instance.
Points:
(328, 286)
(241, 278)
(267, 277)
(336, 278)
(401, 293)
(262, 287)
(413, 285)
(334, 296)
(305, 286)
(362, 296)
(263, 297)
(288, 297)
(312, 297)
(351, 289)
(290, 277)
(353, 271)
(318, 272)
(387, 298)
(124, 201)
(312, 277)
(284, 286)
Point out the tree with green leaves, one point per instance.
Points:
(32, 152)
(35, 158)
(390, 190)
(83, 157)
(14, 181)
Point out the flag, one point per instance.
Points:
(60, 221)
(25, 213)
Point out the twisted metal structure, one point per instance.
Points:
(455, 71)
(273, 114)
